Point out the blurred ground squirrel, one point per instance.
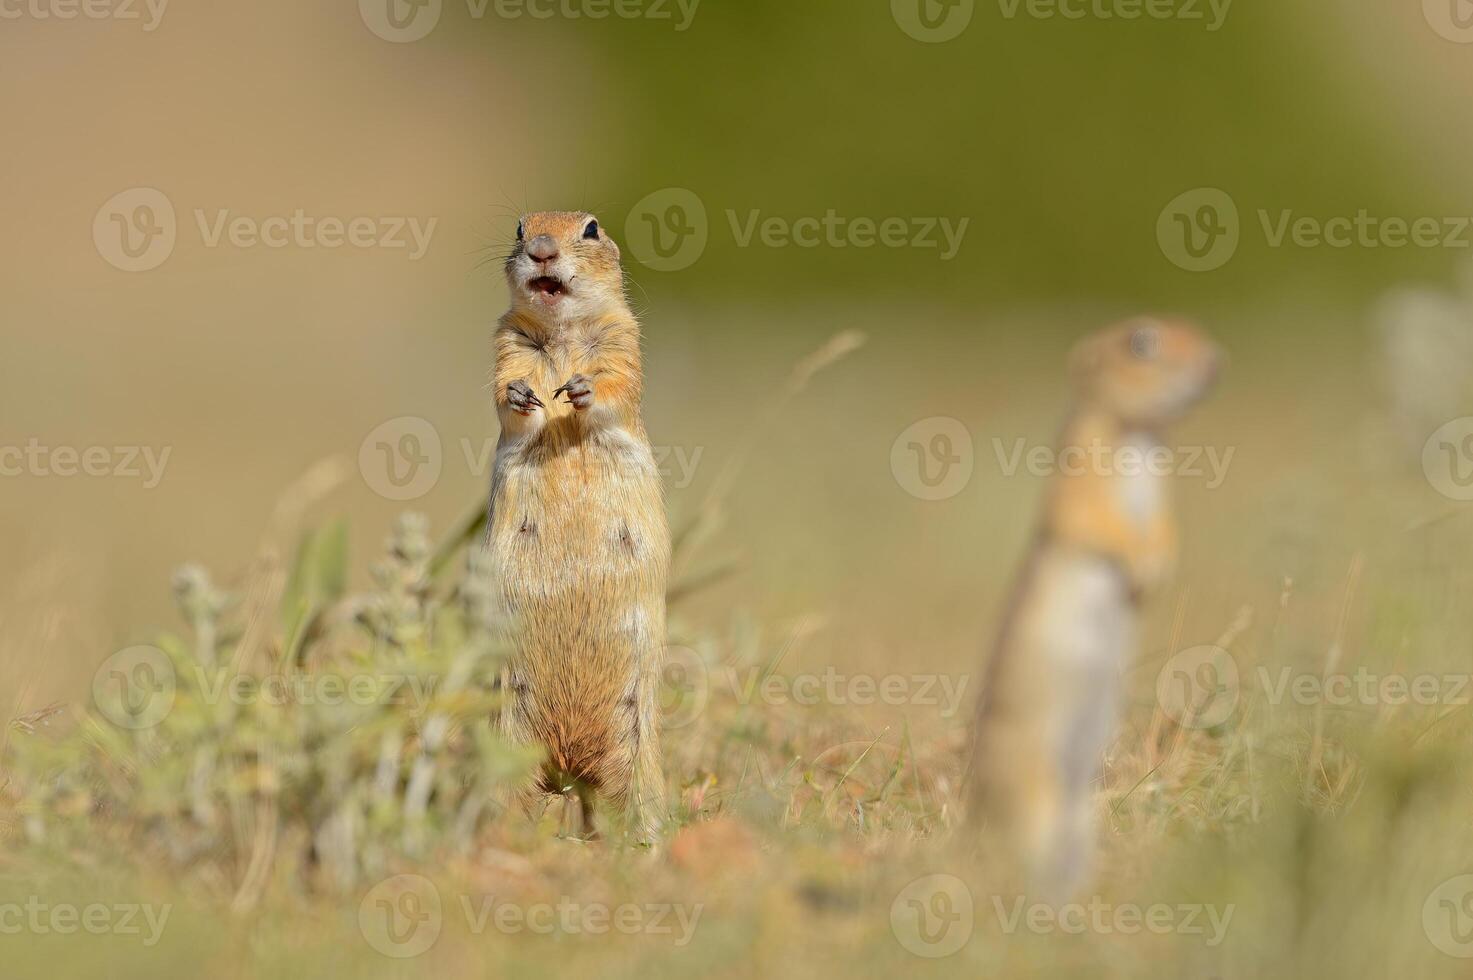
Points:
(1049, 707)
(577, 524)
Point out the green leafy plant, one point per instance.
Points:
(365, 736)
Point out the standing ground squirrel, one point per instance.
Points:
(577, 524)
(1048, 711)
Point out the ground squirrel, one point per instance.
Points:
(1048, 710)
(577, 525)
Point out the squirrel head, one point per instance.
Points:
(564, 267)
(1146, 371)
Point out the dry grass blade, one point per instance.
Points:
(708, 516)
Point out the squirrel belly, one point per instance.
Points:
(584, 581)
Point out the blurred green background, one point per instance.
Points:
(1060, 142)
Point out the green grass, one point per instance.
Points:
(1282, 838)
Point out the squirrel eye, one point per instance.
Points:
(1145, 343)
(592, 230)
(521, 232)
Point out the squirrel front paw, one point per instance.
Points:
(521, 398)
(579, 391)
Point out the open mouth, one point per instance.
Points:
(547, 286)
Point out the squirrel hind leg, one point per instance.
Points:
(578, 812)
(646, 801)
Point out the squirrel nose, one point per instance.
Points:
(542, 248)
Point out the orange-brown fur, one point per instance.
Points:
(578, 528)
(1107, 538)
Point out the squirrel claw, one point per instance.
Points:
(522, 398)
(579, 391)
